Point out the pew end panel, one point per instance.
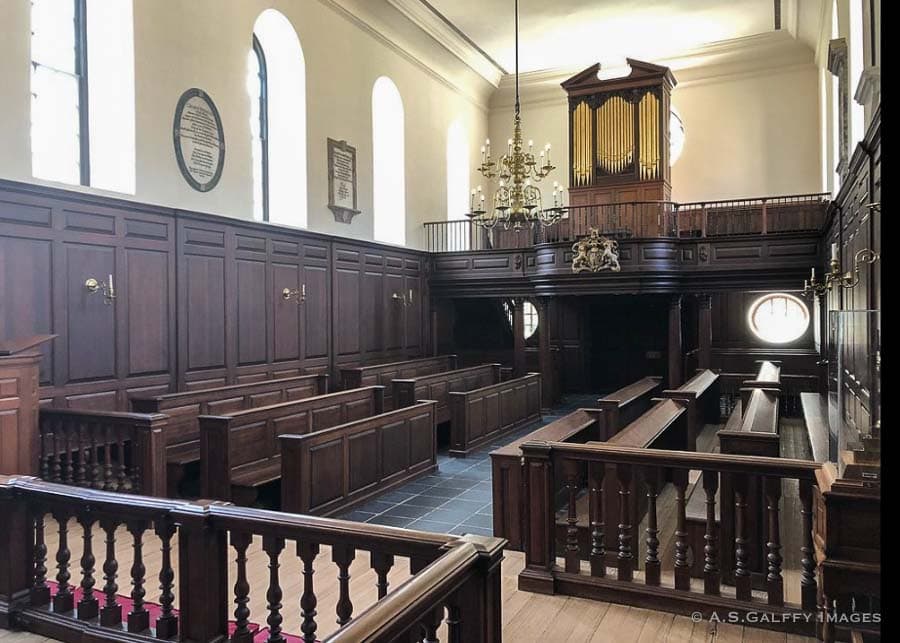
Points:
(479, 415)
(333, 470)
(624, 406)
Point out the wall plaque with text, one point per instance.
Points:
(342, 180)
(199, 140)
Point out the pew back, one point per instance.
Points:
(334, 469)
(768, 377)
(438, 386)
(183, 409)
(384, 374)
(243, 448)
(626, 405)
(702, 393)
(480, 415)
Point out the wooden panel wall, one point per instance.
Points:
(198, 297)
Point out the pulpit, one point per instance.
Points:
(19, 379)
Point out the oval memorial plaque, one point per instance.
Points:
(199, 140)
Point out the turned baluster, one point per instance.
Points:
(625, 558)
(88, 606)
(273, 547)
(81, 441)
(431, 623)
(596, 472)
(56, 469)
(808, 585)
(96, 464)
(46, 455)
(382, 564)
(453, 628)
(682, 569)
(573, 564)
(167, 621)
(711, 574)
(68, 465)
(240, 541)
(64, 601)
(111, 612)
(123, 482)
(40, 591)
(342, 556)
(138, 617)
(307, 553)
(651, 564)
(109, 481)
(774, 580)
(741, 549)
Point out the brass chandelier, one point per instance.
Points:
(517, 201)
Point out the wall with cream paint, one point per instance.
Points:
(204, 43)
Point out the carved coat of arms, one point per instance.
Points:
(595, 253)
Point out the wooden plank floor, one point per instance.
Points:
(526, 616)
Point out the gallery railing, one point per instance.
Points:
(643, 220)
(185, 549)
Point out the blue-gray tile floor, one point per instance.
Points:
(455, 499)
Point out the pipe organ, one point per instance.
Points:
(619, 135)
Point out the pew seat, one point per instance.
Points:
(815, 420)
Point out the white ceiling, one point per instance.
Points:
(570, 33)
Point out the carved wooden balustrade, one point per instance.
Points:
(664, 582)
(191, 544)
(104, 450)
(643, 220)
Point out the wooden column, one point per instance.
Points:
(545, 362)
(676, 349)
(518, 337)
(704, 331)
(434, 330)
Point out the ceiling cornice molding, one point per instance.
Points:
(429, 20)
(369, 17)
(715, 62)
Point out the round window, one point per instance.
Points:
(778, 318)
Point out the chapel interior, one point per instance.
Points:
(457, 321)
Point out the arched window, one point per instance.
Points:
(259, 116)
(457, 185)
(388, 162)
(82, 92)
(276, 84)
(778, 318)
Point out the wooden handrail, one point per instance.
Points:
(739, 464)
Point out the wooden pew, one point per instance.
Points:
(182, 435)
(332, 470)
(664, 426)
(627, 404)
(438, 386)
(384, 374)
(508, 474)
(481, 414)
(815, 419)
(240, 452)
(768, 376)
(701, 392)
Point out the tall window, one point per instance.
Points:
(82, 92)
(276, 84)
(457, 185)
(388, 159)
(259, 115)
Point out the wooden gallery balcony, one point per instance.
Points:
(663, 247)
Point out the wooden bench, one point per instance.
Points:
(508, 475)
(182, 435)
(768, 377)
(384, 374)
(332, 470)
(701, 392)
(240, 452)
(482, 414)
(815, 419)
(627, 404)
(438, 386)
